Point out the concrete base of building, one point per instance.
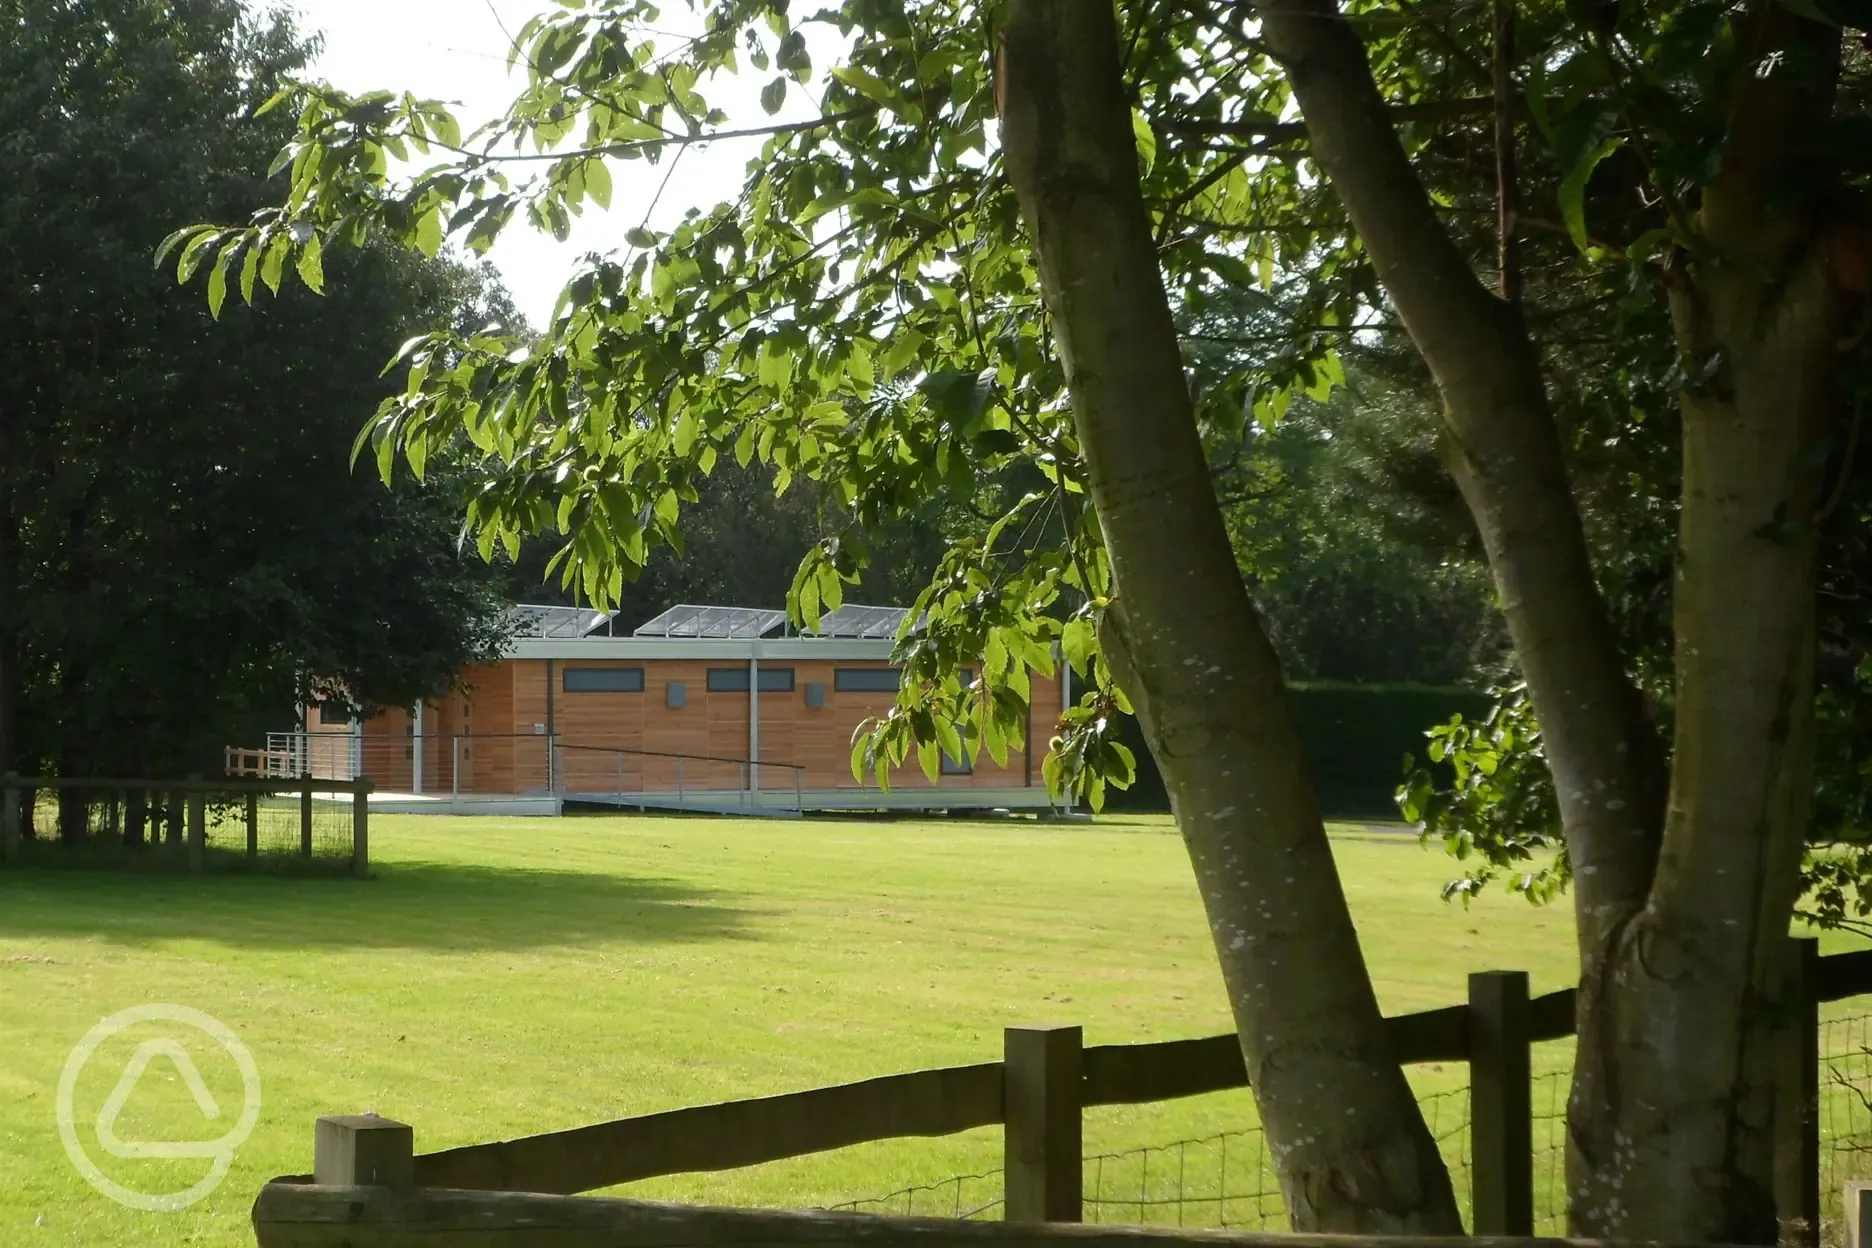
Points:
(767, 803)
(510, 804)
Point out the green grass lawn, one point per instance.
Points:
(505, 977)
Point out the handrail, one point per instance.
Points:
(558, 743)
(704, 758)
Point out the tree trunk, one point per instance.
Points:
(1349, 1142)
(1681, 914)
(74, 745)
(136, 813)
(1665, 1147)
(9, 660)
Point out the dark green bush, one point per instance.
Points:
(1356, 737)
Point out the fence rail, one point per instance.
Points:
(1047, 1077)
(192, 823)
(376, 1215)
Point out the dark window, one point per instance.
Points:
(815, 694)
(334, 713)
(867, 679)
(735, 680)
(604, 680)
(957, 766)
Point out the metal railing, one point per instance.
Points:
(467, 764)
(700, 780)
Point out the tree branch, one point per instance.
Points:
(1504, 449)
(675, 140)
(1507, 261)
(1274, 130)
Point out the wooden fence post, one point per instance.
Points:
(9, 819)
(253, 825)
(363, 1151)
(305, 820)
(1797, 1097)
(1501, 1111)
(360, 828)
(197, 831)
(1041, 1097)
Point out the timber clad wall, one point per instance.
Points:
(505, 711)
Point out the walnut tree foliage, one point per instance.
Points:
(864, 312)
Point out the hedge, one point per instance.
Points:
(1355, 736)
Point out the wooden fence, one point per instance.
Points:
(288, 1216)
(186, 803)
(1037, 1092)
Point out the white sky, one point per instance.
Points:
(455, 50)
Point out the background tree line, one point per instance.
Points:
(185, 550)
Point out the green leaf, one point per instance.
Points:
(994, 655)
(1146, 141)
(250, 266)
(865, 83)
(773, 95)
(901, 351)
(217, 282)
(598, 182)
(312, 265)
(169, 243)
(284, 93)
(429, 232)
(194, 253)
(1077, 642)
(1573, 188)
(273, 264)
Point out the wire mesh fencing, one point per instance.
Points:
(1216, 1182)
(962, 1196)
(288, 827)
(1228, 1180)
(1844, 1113)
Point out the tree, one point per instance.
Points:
(185, 550)
(1016, 284)
(1359, 555)
(741, 543)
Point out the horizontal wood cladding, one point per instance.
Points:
(504, 711)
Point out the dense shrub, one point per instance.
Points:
(1356, 738)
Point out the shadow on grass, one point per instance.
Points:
(416, 905)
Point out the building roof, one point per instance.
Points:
(690, 620)
(854, 620)
(532, 620)
(693, 630)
